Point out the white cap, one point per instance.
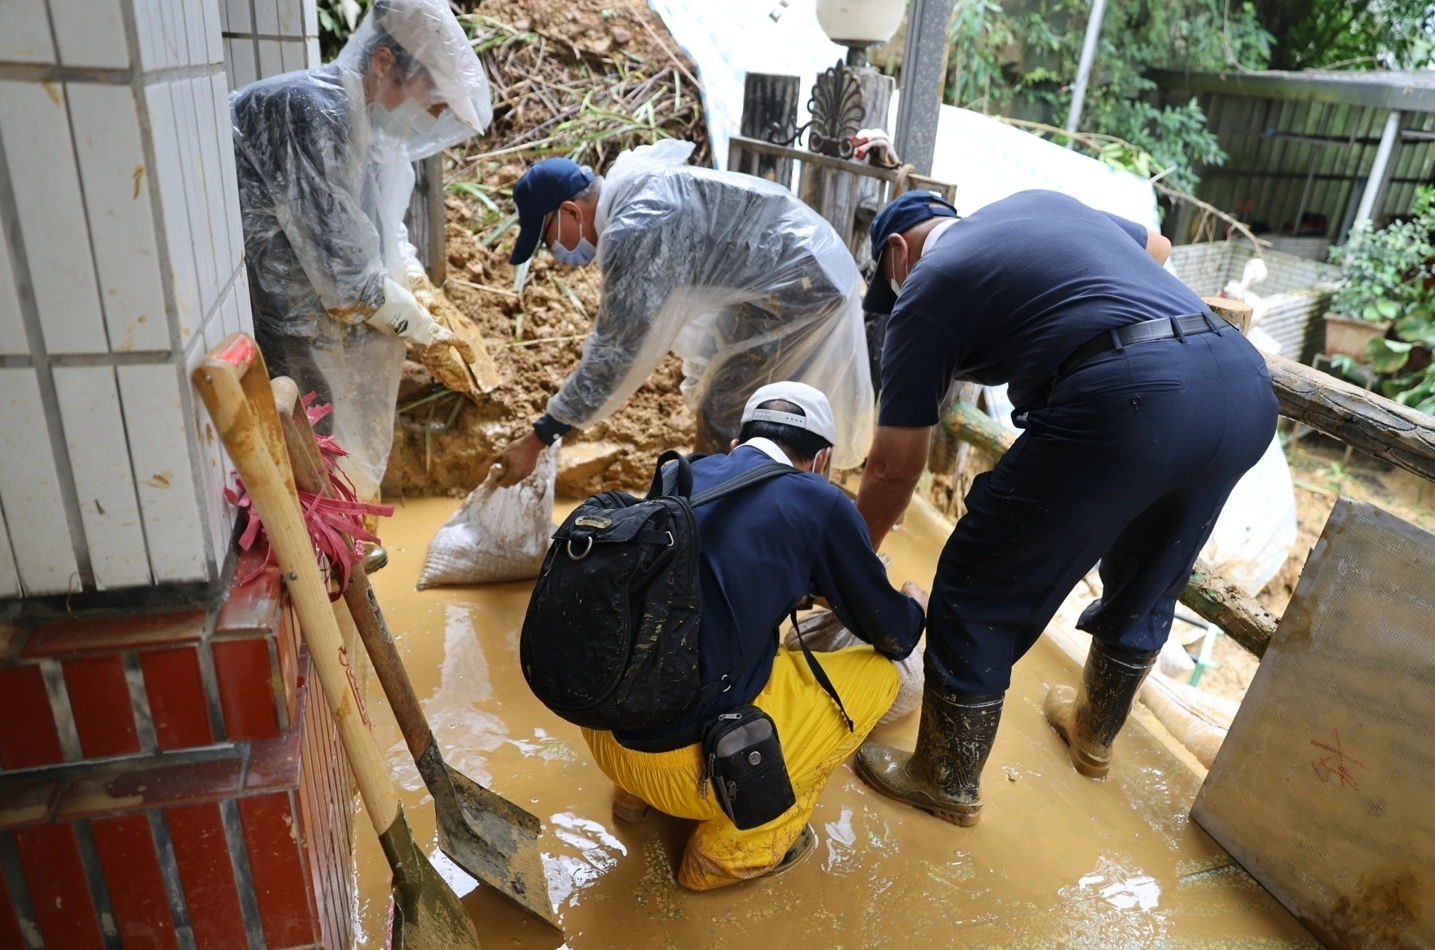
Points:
(818, 418)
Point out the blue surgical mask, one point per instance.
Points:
(580, 256)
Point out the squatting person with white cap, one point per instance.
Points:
(324, 162)
(764, 551)
(732, 273)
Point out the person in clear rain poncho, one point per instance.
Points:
(324, 160)
(732, 273)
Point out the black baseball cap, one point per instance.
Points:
(902, 213)
(538, 194)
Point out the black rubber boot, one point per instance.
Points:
(1089, 719)
(943, 774)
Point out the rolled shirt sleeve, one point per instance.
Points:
(854, 581)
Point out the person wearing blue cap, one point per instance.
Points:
(732, 273)
(1141, 411)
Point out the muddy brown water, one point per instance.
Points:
(1059, 861)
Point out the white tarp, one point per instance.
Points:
(986, 159)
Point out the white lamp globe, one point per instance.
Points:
(860, 22)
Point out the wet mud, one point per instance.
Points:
(1059, 861)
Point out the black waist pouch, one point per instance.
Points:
(744, 763)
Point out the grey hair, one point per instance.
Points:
(590, 193)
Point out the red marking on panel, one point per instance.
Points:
(177, 704)
(135, 882)
(112, 634)
(202, 854)
(271, 836)
(1332, 763)
(58, 890)
(100, 701)
(27, 727)
(247, 681)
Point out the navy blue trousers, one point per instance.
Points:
(1128, 463)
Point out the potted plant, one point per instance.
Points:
(1386, 271)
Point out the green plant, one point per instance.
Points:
(1023, 64)
(337, 19)
(1386, 270)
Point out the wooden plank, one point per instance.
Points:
(1223, 603)
(1368, 423)
(1322, 788)
(947, 190)
(769, 112)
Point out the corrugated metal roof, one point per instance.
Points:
(1380, 89)
(1301, 145)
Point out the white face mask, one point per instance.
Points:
(409, 121)
(580, 256)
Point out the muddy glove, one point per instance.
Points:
(402, 314)
(414, 274)
(875, 146)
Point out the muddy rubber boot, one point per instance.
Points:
(943, 774)
(629, 807)
(375, 557)
(804, 844)
(1089, 719)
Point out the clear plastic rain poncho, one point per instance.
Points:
(324, 167)
(736, 276)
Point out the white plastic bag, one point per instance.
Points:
(497, 534)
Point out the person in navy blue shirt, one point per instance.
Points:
(1141, 411)
(764, 551)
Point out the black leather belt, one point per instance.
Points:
(1148, 331)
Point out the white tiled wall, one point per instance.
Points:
(264, 38)
(121, 263)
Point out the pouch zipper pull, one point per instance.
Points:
(703, 778)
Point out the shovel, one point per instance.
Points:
(232, 380)
(486, 835)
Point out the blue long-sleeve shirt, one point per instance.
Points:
(766, 548)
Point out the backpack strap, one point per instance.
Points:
(821, 675)
(752, 476)
(724, 682)
(663, 482)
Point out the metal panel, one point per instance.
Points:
(1321, 790)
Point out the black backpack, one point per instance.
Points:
(610, 640)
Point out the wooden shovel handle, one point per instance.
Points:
(310, 476)
(234, 385)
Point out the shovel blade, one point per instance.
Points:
(496, 842)
(425, 913)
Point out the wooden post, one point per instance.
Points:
(769, 113)
(1366, 422)
(877, 92)
(1227, 606)
(425, 218)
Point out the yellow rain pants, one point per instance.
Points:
(815, 740)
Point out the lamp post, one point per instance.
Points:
(924, 65)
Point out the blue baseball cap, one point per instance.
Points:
(901, 214)
(538, 194)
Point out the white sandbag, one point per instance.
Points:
(824, 633)
(497, 534)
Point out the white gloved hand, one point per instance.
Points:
(875, 142)
(404, 315)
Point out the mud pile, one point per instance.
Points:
(585, 80)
